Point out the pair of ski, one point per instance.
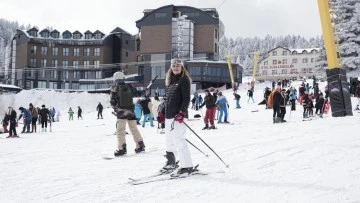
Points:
(165, 176)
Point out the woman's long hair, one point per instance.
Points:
(169, 74)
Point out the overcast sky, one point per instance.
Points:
(245, 18)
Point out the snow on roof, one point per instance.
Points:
(9, 86)
(308, 50)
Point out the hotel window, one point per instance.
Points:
(33, 62)
(75, 64)
(274, 62)
(77, 74)
(33, 49)
(127, 54)
(55, 51)
(41, 84)
(303, 70)
(77, 36)
(42, 73)
(55, 35)
(294, 61)
(215, 33)
(96, 64)
(86, 64)
(65, 63)
(126, 41)
(284, 61)
(274, 72)
(33, 33)
(65, 51)
(216, 48)
(98, 36)
(86, 75)
(88, 36)
(274, 53)
(305, 60)
(283, 71)
(54, 63)
(265, 63)
(43, 62)
(97, 52)
(86, 51)
(284, 53)
(312, 60)
(65, 74)
(310, 70)
(76, 51)
(264, 72)
(98, 75)
(43, 50)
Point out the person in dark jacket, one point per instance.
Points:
(146, 111)
(209, 102)
(44, 116)
(305, 102)
(27, 119)
(121, 100)
(177, 83)
(277, 98)
(237, 99)
(99, 108)
(79, 113)
(319, 104)
(12, 120)
(5, 122)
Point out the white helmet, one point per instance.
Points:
(119, 77)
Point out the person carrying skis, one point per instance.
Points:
(12, 120)
(44, 116)
(177, 82)
(79, 113)
(210, 108)
(27, 119)
(121, 100)
(99, 108)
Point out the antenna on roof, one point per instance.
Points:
(221, 4)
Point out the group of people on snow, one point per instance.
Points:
(30, 116)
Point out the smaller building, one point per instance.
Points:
(283, 63)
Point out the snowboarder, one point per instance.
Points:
(121, 100)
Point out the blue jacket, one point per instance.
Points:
(137, 110)
(221, 102)
(26, 114)
(293, 95)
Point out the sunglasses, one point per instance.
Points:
(177, 61)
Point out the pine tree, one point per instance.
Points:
(347, 29)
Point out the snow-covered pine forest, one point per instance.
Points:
(347, 25)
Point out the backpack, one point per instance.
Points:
(270, 100)
(125, 97)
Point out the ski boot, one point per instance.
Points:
(171, 165)
(183, 172)
(206, 127)
(120, 152)
(141, 147)
(212, 127)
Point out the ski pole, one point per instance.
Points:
(227, 166)
(196, 148)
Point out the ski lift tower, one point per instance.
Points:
(228, 60)
(256, 60)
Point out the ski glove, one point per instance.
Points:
(180, 117)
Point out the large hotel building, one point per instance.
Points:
(87, 61)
